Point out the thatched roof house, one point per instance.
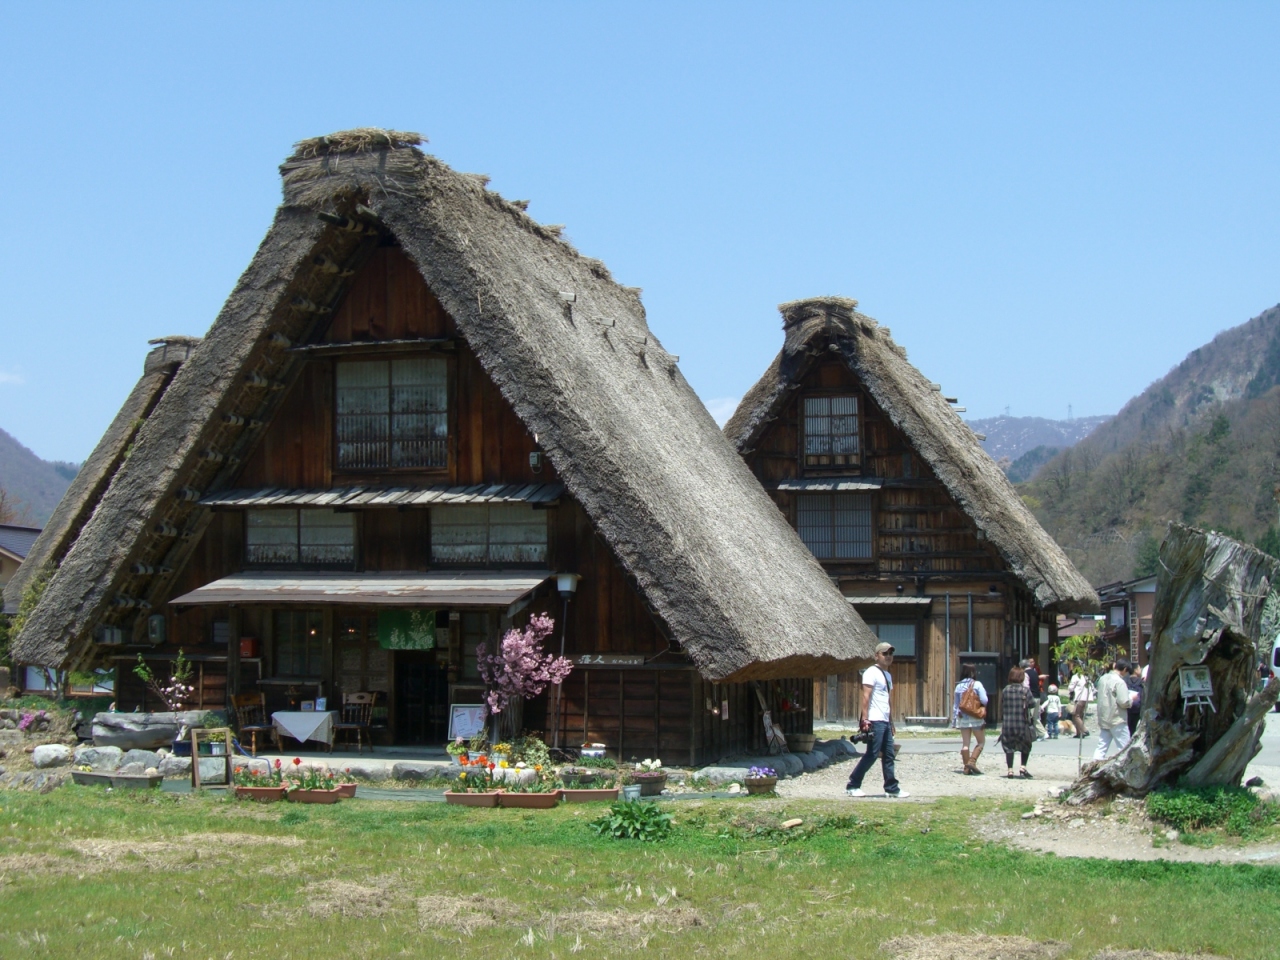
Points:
(831, 326)
(95, 474)
(719, 568)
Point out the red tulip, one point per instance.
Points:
(297, 762)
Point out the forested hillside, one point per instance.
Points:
(1201, 445)
(32, 486)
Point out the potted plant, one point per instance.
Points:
(346, 784)
(518, 670)
(584, 785)
(457, 750)
(314, 785)
(650, 776)
(540, 793)
(255, 785)
(474, 786)
(500, 753)
(761, 780)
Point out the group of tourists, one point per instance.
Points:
(1021, 705)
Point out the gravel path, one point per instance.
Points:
(927, 770)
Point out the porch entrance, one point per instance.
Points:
(421, 698)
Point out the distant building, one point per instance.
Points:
(15, 544)
(906, 513)
(1128, 606)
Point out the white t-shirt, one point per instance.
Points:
(880, 683)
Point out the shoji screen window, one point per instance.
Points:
(835, 526)
(393, 414)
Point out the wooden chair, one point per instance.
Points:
(357, 712)
(251, 718)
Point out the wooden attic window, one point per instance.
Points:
(831, 432)
(393, 414)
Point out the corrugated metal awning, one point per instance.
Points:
(432, 496)
(454, 588)
(891, 600)
(836, 484)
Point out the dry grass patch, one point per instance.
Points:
(466, 914)
(181, 849)
(972, 946)
(625, 923)
(347, 899)
(1153, 955)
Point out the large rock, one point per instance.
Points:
(148, 758)
(418, 770)
(51, 755)
(143, 731)
(250, 765)
(175, 767)
(369, 771)
(813, 761)
(101, 759)
(513, 776)
(837, 750)
(213, 769)
(132, 769)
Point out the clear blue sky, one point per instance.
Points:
(1047, 204)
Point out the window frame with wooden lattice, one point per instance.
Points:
(304, 537)
(396, 422)
(831, 438)
(846, 519)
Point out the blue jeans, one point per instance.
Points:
(881, 746)
(1051, 725)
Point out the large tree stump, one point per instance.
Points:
(1210, 594)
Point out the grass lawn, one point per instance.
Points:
(86, 874)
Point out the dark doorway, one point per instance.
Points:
(422, 698)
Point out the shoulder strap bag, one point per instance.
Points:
(971, 704)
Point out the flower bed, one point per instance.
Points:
(488, 798)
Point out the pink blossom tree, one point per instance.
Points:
(519, 670)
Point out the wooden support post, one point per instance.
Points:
(233, 654)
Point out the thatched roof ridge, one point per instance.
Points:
(715, 561)
(825, 325)
(95, 474)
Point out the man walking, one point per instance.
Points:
(877, 718)
(1113, 710)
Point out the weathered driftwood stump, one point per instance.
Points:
(1210, 595)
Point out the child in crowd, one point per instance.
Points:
(1052, 710)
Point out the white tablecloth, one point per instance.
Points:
(305, 724)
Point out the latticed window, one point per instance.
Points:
(393, 414)
(835, 526)
(831, 432)
(299, 644)
(300, 538)
(505, 533)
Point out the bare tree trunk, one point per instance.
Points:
(1209, 598)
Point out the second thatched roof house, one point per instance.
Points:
(893, 494)
(418, 410)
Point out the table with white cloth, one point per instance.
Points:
(305, 724)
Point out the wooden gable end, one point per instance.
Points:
(918, 527)
(387, 309)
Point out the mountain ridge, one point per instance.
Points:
(33, 486)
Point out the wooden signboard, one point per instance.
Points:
(610, 660)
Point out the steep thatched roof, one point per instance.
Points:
(718, 565)
(95, 474)
(827, 325)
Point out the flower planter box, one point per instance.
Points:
(801, 742)
(590, 795)
(650, 786)
(489, 799)
(759, 785)
(261, 794)
(314, 796)
(347, 790)
(118, 781)
(529, 801)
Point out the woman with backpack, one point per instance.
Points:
(968, 714)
